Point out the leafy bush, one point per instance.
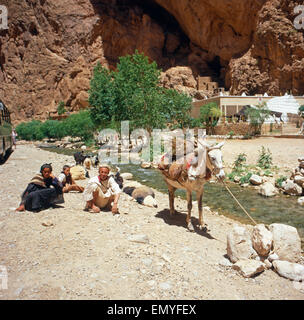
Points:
(239, 162)
(53, 129)
(230, 134)
(61, 109)
(280, 181)
(79, 125)
(265, 159)
(246, 178)
(30, 130)
(76, 125)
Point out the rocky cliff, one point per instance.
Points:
(48, 53)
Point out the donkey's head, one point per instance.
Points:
(216, 159)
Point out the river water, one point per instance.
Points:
(279, 209)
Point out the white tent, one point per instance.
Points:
(285, 104)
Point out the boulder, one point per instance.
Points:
(301, 165)
(292, 271)
(239, 245)
(299, 180)
(249, 268)
(301, 201)
(291, 188)
(256, 180)
(286, 242)
(146, 165)
(267, 189)
(127, 176)
(261, 240)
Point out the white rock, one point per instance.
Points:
(286, 242)
(149, 201)
(261, 240)
(268, 264)
(165, 286)
(239, 245)
(249, 268)
(299, 180)
(225, 263)
(146, 165)
(267, 189)
(256, 180)
(272, 257)
(140, 238)
(127, 176)
(301, 201)
(292, 271)
(291, 188)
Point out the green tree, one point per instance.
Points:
(134, 93)
(102, 96)
(210, 115)
(257, 116)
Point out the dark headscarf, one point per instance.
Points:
(46, 165)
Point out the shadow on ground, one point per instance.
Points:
(179, 220)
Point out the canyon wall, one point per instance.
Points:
(51, 47)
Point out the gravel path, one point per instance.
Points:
(90, 256)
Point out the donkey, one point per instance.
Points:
(191, 175)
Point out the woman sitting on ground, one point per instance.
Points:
(43, 191)
(68, 183)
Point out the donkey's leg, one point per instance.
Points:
(188, 219)
(203, 226)
(171, 199)
(200, 209)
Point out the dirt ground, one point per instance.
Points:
(82, 255)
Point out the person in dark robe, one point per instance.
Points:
(43, 191)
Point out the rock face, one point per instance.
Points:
(292, 271)
(261, 240)
(50, 48)
(286, 242)
(239, 245)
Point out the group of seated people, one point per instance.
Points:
(45, 190)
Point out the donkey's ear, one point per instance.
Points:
(219, 146)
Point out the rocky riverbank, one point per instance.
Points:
(143, 253)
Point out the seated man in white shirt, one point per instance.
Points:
(101, 191)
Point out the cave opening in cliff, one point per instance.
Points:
(173, 51)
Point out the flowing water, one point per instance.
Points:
(278, 209)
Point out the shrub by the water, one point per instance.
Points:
(30, 130)
(76, 125)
